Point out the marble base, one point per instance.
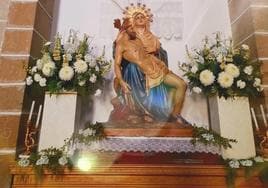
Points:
(231, 118)
(63, 114)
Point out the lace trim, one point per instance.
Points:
(148, 144)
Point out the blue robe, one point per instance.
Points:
(156, 101)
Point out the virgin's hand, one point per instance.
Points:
(125, 87)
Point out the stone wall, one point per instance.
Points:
(24, 25)
(250, 26)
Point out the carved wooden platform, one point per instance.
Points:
(160, 129)
(136, 176)
(140, 170)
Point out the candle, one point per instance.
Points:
(31, 111)
(263, 115)
(38, 116)
(254, 119)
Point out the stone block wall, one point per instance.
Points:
(24, 25)
(250, 26)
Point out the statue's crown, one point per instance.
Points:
(132, 10)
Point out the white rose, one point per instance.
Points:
(246, 163)
(42, 82)
(245, 47)
(37, 77)
(206, 77)
(93, 78)
(257, 82)
(82, 82)
(24, 162)
(232, 70)
(87, 132)
(48, 68)
(29, 80)
(34, 69)
(241, 84)
(66, 73)
(234, 164)
(225, 80)
(248, 70)
(39, 64)
(258, 159)
(194, 69)
(63, 161)
(197, 89)
(80, 66)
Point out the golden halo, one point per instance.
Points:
(132, 10)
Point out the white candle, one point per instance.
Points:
(31, 111)
(263, 115)
(38, 116)
(254, 119)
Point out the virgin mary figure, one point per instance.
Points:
(155, 105)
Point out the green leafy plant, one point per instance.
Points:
(57, 159)
(218, 68)
(51, 159)
(209, 137)
(91, 133)
(249, 166)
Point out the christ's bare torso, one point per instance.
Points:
(134, 52)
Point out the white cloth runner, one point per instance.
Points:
(148, 144)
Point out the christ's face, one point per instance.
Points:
(140, 20)
(131, 33)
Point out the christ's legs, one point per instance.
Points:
(180, 86)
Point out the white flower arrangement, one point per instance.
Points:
(218, 68)
(68, 66)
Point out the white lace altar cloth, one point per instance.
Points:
(148, 144)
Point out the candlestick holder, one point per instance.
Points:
(264, 146)
(29, 141)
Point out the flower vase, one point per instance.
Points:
(63, 114)
(231, 119)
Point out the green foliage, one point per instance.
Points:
(209, 137)
(91, 133)
(57, 159)
(51, 159)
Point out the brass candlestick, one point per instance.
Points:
(29, 140)
(264, 145)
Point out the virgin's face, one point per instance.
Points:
(140, 20)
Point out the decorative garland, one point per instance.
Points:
(250, 165)
(56, 159)
(209, 137)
